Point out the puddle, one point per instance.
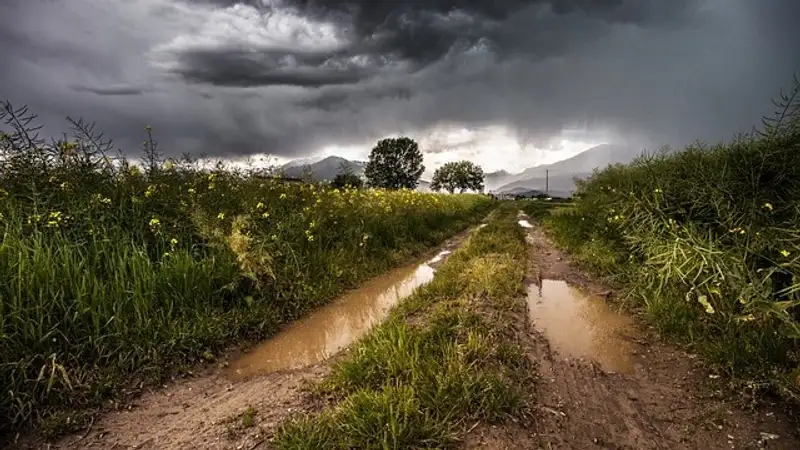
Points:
(524, 223)
(578, 325)
(333, 327)
(439, 257)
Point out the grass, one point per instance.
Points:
(237, 423)
(114, 274)
(706, 242)
(447, 357)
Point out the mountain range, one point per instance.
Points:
(557, 177)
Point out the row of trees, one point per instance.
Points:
(396, 163)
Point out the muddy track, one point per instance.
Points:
(205, 411)
(664, 402)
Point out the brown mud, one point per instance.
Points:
(615, 385)
(239, 403)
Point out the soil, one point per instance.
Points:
(668, 401)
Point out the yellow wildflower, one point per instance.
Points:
(260, 205)
(704, 301)
(221, 216)
(192, 190)
(785, 253)
(151, 190)
(768, 206)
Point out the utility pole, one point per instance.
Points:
(547, 181)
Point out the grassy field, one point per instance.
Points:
(447, 357)
(707, 243)
(114, 275)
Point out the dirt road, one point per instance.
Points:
(606, 383)
(657, 398)
(239, 403)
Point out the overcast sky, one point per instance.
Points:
(506, 83)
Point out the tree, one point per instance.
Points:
(461, 175)
(346, 178)
(395, 163)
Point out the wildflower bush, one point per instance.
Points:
(708, 241)
(112, 273)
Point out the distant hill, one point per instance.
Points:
(493, 180)
(562, 173)
(325, 169)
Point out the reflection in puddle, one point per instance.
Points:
(334, 326)
(581, 326)
(524, 223)
(439, 257)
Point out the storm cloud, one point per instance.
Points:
(288, 77)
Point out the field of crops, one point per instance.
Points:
(114, 273)
(707, 241)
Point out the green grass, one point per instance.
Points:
(706, 242)
(447, 357)
(114, 275)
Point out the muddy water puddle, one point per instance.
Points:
(333, 327)
(578, 325)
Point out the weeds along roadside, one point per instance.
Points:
(115, 274)
(706, 242)
(449, 356)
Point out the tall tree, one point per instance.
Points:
(461, 175)
(394, 163)
(346, 178)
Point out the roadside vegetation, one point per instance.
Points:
(707, 242)
(448, 358)
(115, 273)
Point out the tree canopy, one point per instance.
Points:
(461, 175)
(394, 163)
(346, 178)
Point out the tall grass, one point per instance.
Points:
(447, 358)
(113, 274)
(708, 241)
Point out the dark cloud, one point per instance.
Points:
(247, 68)
(110, 90)
(417, 33)
(331, 100)
(287, 77)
